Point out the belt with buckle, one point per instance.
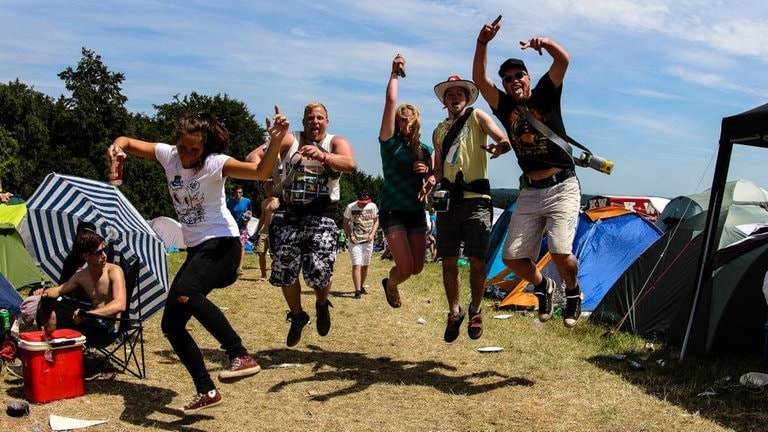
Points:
(551, 180)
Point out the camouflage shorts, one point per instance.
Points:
(307, 244)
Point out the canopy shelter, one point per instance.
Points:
(748, 128)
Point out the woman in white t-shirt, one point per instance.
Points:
(196, 170)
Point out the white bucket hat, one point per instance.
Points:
(456, 81)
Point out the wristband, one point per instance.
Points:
(481, 42)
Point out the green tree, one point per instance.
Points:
(26, 119)
(91, 117)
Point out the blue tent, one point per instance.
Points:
(493, 264)
(607, 242)
(9, 298)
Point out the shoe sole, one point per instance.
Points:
(548, 316)
(567, 325)
(197, 410)
(476, 336)
(576, 320)
(226, 375)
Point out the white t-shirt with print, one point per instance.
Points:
(198, 196)
(361, 219)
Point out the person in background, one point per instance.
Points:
(341, 241)
(550, 193)
(407, 166)
(303, 231)
(241, 210)
(462, 169)
(269, 206)
(196, 170)
(361, 220)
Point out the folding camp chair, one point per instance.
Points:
(127, 350)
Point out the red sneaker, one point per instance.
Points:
(242, 366)
(202, 401)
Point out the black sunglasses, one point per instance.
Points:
(98, 252)
(515, 76)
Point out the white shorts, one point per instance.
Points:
(554, 209)
(360, 253)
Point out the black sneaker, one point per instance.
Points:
(358, 294)
(572, 311)
(362, 290)
(546, 306)
(453, 326)
(297, 325)
(323, 318)
(475, 327)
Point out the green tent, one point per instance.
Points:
(655, 295)
(15, 262)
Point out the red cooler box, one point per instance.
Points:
(59, 376)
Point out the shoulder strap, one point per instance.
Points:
(552, 136)
(453, 132)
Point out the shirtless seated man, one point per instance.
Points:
(102, 282)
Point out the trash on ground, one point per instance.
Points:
(285, 365)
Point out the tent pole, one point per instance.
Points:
(708, 243)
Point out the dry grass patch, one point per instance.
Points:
(380, 369)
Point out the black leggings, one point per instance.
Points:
(212, 264)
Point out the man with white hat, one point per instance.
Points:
(461, 167)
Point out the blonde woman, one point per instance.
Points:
(407, 166)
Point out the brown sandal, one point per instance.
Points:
(386, 295)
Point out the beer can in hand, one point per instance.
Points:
(5, 320)
(401, 69)
(116, 169)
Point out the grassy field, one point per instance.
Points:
(382, 369)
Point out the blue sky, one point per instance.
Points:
(648, 84)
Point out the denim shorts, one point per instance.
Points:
(410, 221)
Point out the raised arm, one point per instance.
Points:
(479, 64)
(387, 129)
(260, 162)
(560, 57)
(131, 146)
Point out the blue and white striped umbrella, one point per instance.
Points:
(61, 201)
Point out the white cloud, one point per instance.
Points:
(649, 80)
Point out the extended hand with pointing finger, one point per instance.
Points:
(278, 127)
(488, 32)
